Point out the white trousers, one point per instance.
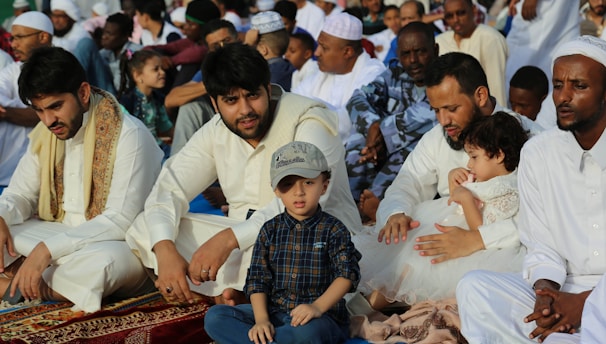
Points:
(493, 306)
(194, 230)
(88, 275)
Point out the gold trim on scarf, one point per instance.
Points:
(100, 143)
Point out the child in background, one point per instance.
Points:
(528, 88)
(142, 76)
(399, 273)
(303, 263)
(300, 52)
(382, 40)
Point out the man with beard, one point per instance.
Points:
(254, 119)
(84, 178)
(562, 191)
(65, 15)
(458, 93)
(29, 31)
(390, 115)
(593, 12)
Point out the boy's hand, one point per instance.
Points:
(302, 314)
(262, 332)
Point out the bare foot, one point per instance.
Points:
(231, 297)
(214, 195)
(368, 205)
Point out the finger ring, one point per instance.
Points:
(205, 271)
(169, 290)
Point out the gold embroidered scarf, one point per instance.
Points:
(100, 142)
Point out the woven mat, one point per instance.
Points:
(145, 319)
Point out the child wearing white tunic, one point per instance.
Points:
(399, 273)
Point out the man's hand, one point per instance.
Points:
(454, 242)
(166, 63)
(262, 332)
(210, 257)
(5, 240)
(556, 311)
(172, 273)
(29, 276)
(303, 313)
(374, 151)
(397, 228)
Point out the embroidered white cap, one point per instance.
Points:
(266, 22)
(592, 47)
(68, 6)
(35, 20)
(343, 25)
(297, 159)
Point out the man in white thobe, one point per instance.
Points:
(65, 15)
(425, 171)
(344, 67)
(562, 182)
(481, 41)
(538, 28)
(30, 30)
(210, 254)
(79, 186)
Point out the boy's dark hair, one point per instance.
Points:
(531, 78)
(50, 70)
(124, 22)
(215, 25)
(236, 65)
(154, 8)
(500, 132)
(276, 41)
(130, 62)
(307, 41)
(391, 7)
(326, 174)
(286, 9)
(464, 68)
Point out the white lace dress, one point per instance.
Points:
(401, 274)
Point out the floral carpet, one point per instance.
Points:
(145, 319)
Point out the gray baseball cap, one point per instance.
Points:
(299, 159)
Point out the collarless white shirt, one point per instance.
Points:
(563, 209)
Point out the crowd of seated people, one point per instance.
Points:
(407, 102)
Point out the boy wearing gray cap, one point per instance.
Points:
(303, 263)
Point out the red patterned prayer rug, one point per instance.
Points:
(146, 319)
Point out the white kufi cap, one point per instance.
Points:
(178, 15)
(592, 47)
(266, 22)
(20, 3)
(35, 20)
(68, 6)
(343, 25)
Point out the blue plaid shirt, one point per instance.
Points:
(294, 262)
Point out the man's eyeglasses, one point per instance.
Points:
(450, 15)
(20, 37)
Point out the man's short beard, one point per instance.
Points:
(585, 124)
(459, 144)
